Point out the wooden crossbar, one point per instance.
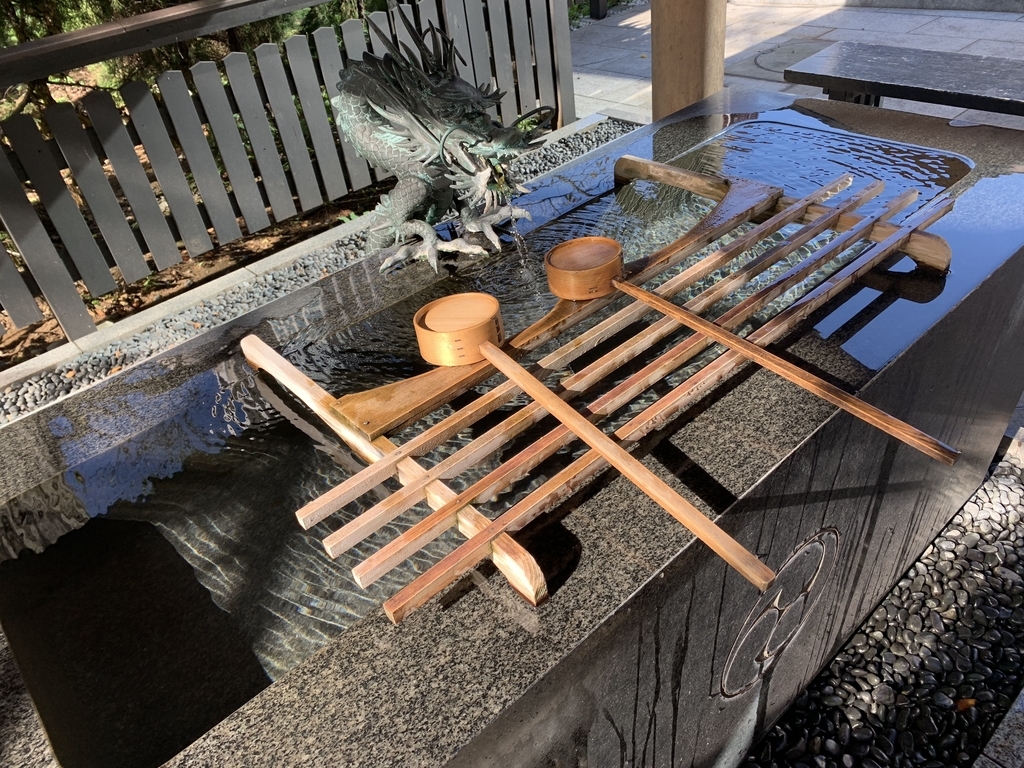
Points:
(902, 431)
(752, 569)
(487, 444)
(665, 258)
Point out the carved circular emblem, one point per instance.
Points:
(779, 614)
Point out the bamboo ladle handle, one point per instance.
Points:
(752, 569)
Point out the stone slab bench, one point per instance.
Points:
(864, 74)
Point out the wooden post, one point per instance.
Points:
(687, 52)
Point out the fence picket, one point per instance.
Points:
(328, 56)
(257, 127)
(354, 36)
(145, 116)
(282, 103)
(15, 297)
(120, 150)
(479, 46)
(64, 213)
(87, 170)
(201, 163)
(558, 12)
(401, 32)
(41, 258)
(246, 191)
(542, 53)
(377, 49)
(502, 53)
(428, 14)
(523, 51)
(325, 149)
(455, 20)
(383, 24)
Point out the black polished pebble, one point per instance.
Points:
(926, 684)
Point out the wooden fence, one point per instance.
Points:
(226, 148)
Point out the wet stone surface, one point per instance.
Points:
(927, 678)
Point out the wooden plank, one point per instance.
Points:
(145, 116)
(87, 170)
(519, 465)
(478, 44)
(542, 53)
(683, 396)
(387, 510)
(38, 162)
(232, 151)
(131, 177)
(264, 148)
(558, 13)
(466, 556)
(307, 85)
(123, 37)
(42, 260)
(740, 558)
(557, 360)
(522, 51)
(282, 103)
(515, 563)
(501, 50)
(328, 56)
(456, 26)
(799, 239)
(486, 444)
(926, 249)
(194, 144)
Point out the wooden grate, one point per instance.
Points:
(362, 420)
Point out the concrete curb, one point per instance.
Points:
(147, 318)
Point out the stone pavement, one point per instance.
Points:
(612, 57)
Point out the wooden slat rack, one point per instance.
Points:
(362, 420)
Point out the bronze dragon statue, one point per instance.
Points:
(420, 121)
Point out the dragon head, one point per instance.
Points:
(476, 154)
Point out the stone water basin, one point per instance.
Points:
(161, 581)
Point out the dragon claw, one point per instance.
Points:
(429, 247)
(486, 221)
